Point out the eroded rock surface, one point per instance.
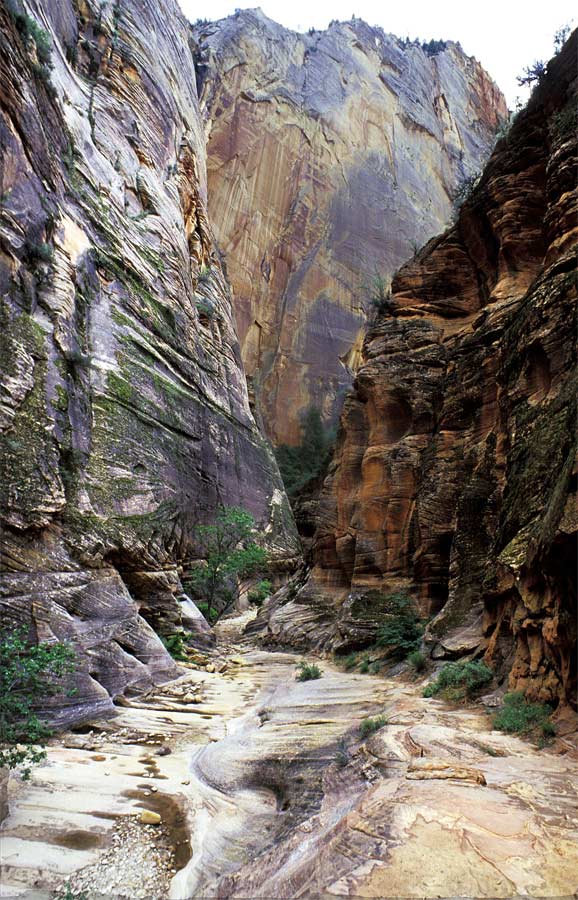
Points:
(331, 156)
(269, 791)
(455, 471)
(123, 403)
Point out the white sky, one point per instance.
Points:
(504, 35)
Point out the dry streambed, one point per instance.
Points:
(258, 797)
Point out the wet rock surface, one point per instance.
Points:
(331, 156)
(269, 791)
(454, 477)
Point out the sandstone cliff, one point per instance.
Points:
(123, 406)
(455, 471)
(331, 156)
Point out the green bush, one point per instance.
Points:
(417, 660)
(308, 672)
(211, 615)
(36, 253)
(563, 124)
(28, 672)
(520, 716)
(459, 680)
(260, 592)
(402, 631)
(176, 646)
(364, 666)
(31, 32)
(370, 726)
(342, 755)
(380, 296)
(348, 662)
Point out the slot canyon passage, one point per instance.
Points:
(206, 232)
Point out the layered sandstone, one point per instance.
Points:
(124, 407)
(455, 472)
(332, 156)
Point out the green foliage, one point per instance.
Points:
(417, 660)
(401, 632)
(459, 680)
(37, 253)
(464, 190)
(228, 552)
(342, 755)
(28, 672)
(563, 124)
(175, 644)
(370, 726)
(204, 275)
(364, 666)
(210, 615)
(374, 668)
(260, 592)
(31, 33)
(68, 894)
(520, 716)
(308, 672)
(349, 662)
(379, 295)
(300, 464)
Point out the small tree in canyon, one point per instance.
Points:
(227, 552)
(28, 672)
(300, 464)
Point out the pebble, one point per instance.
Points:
(149, 818)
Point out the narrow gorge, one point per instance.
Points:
(207, 231)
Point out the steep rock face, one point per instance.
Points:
(331, 156)
(123, 405)
(455, 471)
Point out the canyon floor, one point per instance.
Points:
(265, 789)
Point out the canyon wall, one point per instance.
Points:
(332, 156)
(454, 478)
(124, 410)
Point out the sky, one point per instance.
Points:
(504, 35)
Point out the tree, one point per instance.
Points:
(228, 552)
(28, 672)
(301, 463)
(401, 631)
(532, 73)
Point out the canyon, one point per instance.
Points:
(331, 157)
(454, 476)
(191, 217)
(125, 413)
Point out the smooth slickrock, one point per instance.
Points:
(455, 471)
(123, 403)
(269, 791)
(331, 156)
